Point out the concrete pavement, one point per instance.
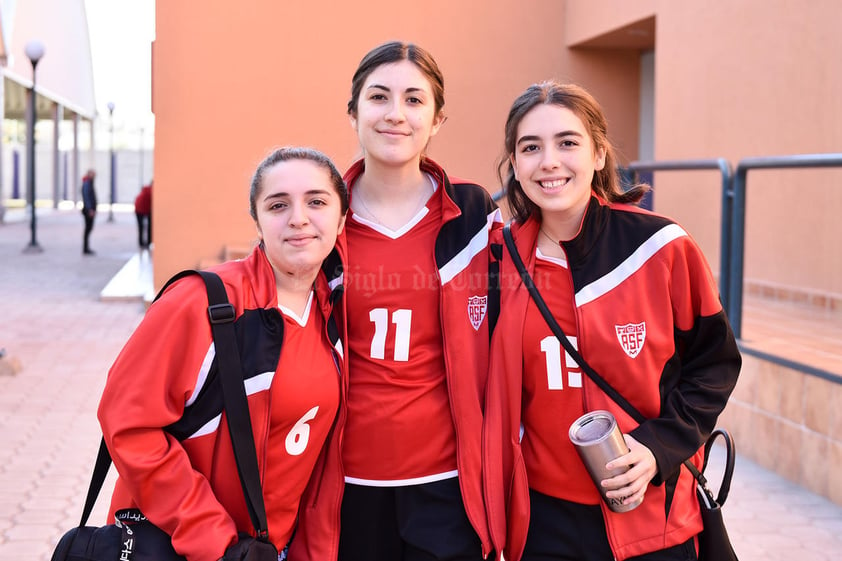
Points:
(53, 321)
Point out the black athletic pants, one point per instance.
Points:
(561, 530)
(144, 230)
(89, 226)
(414, 523)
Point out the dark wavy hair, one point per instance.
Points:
(606, 182)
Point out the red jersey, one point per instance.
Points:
(552, 391)
(143, 201)
(304, 398)
(461, 253)
(399, 429)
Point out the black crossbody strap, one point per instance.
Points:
(556, 329)
(605, 386)
(103, 462)
(221, 315)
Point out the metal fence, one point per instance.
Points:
(727, 197)
(735, 291)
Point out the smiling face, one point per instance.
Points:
(299, 215)
(554, 161)
(396, 114)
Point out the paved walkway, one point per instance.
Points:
(53, 321)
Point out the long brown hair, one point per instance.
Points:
(606, 182)
(389, 53)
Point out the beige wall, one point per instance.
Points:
(755, 78)
(733, 79)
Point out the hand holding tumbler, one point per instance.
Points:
(598, 440)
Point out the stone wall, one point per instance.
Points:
(790, 422)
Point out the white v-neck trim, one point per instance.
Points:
(302, 321)
(388, 232)
(557, 260)
(395, 234)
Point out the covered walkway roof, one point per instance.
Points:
(64, 74)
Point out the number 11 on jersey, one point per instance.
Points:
(403, 325)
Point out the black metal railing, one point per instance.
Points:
(727, 203)
(735, 290)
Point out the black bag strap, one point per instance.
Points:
(496, 251)
(103, 462)
(608, 388)
(730, 456)
(221, 315)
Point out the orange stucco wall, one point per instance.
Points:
(231, 83)
(757, 78)
(732, 80)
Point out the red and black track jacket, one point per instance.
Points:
(462, 259)
(628, 266)
(161, 409)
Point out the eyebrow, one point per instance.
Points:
(282, 194)
(562, 134)
(386, 88)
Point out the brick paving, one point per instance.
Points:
(53, 321)
(65, 339)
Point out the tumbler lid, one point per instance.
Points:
(592, 427)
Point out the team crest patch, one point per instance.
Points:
(477, 306)
(631, 337)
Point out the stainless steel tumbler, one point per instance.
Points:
(598, 440)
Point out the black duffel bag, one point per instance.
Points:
(131, 538)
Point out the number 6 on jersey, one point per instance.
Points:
(299, 435)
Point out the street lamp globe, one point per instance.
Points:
(34, 50)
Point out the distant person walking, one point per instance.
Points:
(143, 212)
(88, 209)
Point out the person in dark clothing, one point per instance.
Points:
(88, 209)
(143, 212)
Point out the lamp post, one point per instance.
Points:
(34, 50)
(113, 179)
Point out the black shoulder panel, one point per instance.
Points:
(475, 204)
(609, 236)
(259, 334)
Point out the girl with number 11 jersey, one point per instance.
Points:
(402, 474)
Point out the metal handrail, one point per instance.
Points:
(735, 292)
(727, 208)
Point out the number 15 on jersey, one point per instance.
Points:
(551, 347)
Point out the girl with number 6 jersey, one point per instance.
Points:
(183, 476)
